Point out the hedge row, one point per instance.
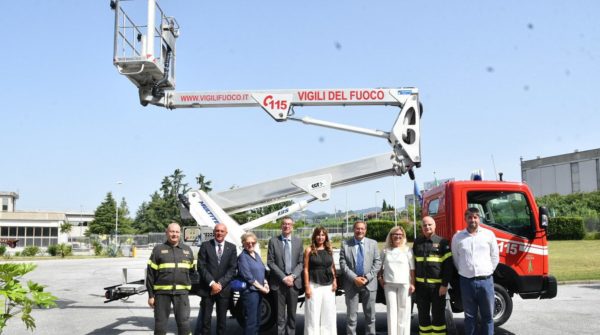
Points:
(566, 228)
(378, 229)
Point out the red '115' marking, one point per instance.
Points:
(269, 102)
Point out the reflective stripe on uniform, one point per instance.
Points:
(171, 287)
(152, 265)
(438, 328)
(428, 280)
(434, 259)
(174, 265)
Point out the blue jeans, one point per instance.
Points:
(251, 302)
(478, 295)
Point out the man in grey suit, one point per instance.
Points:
(285, 261)
(359, 263)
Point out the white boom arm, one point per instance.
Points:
(146, 55)
(208, 210)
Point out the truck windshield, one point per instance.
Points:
(507, 211)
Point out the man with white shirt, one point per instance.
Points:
(475, 254)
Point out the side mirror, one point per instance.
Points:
(544, 217)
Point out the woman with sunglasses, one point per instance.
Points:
(252, 270)
(397, 276)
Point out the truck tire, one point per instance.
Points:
(503, 305)
(268, 315)
(450, 325)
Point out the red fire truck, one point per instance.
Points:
(509, 210)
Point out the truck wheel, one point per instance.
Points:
(268, 315)
(503, 305)
(450, 325)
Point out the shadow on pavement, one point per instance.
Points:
(130, 325)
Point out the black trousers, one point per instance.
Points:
(287, 301)
(205, 314)
(181, 309)
(432, 317)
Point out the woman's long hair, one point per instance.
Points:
(313, 241)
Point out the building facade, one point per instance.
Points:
(38, 228)
(563, 174)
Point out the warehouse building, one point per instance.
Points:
(563, 174)
(38, 228)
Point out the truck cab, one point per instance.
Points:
(509, 210)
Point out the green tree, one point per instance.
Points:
(203, 183)
(125, 222)
(17, 299)
(66, 228)
(163, 206)
(105, 216)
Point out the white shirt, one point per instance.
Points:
(397, 263)
(475, 255)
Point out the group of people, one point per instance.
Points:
(426, 269)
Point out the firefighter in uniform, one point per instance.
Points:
(433, 271)
(168, 282)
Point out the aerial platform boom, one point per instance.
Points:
(146, 55)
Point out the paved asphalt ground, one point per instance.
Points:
(81, 309)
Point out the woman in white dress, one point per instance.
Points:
(397, 276)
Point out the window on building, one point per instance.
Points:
(20, 231)
(575, 184)
(53, 231)
(4, 231)
(29, 231)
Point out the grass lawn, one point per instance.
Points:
(575, 260)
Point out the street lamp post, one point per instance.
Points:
(376, 198)
(117, 216)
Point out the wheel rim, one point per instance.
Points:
(499, 306)
(265, 312)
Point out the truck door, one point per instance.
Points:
(510, 216)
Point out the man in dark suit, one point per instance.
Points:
(217, 265)
(359, 264)
(285, 260)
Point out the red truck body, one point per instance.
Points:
(509, 210)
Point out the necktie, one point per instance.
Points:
(219, 252)
(287, 254)
(360, 260)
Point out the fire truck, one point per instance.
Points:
(509, 210)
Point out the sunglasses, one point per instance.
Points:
(397, 235)
(250, 243)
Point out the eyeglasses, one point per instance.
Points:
(397, 235)
(250, 243)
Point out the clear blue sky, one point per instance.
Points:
(504, 78)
